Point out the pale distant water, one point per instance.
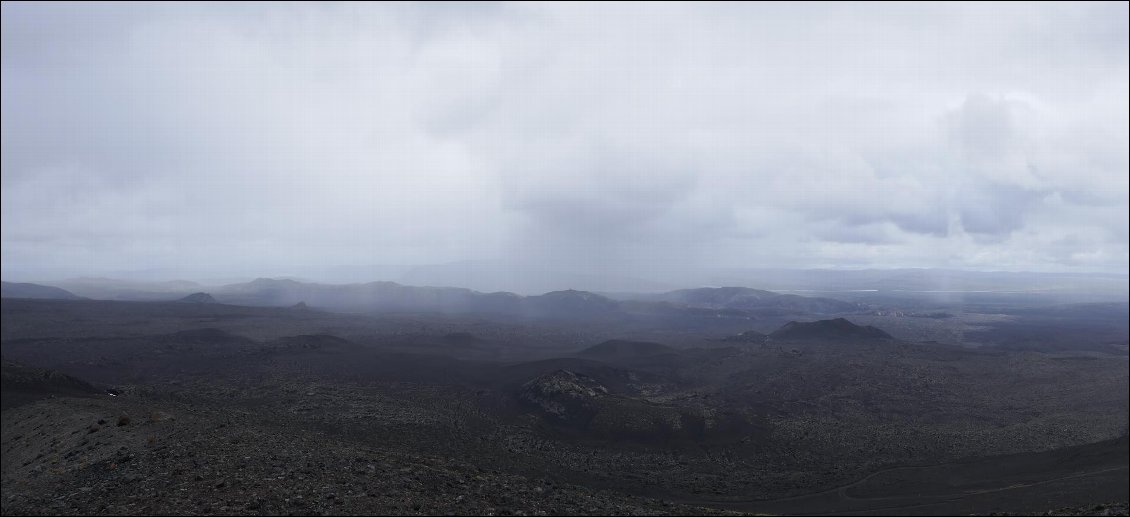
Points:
(1034, 291)
(826, 291)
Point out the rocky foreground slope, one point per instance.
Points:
(131, 456)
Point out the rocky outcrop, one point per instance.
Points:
(564, 395)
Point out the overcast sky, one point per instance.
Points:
(617, 137)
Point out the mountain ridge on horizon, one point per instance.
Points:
(494, 276)
(567, 304)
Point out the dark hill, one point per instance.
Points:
(14, 290)
(837, 329)
(22, 384)
(568, 304)
(198, 298)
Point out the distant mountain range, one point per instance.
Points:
(128, 290)
(13, 290)
(568, 304)
(746, 299)
(530, 279)
(736, 302)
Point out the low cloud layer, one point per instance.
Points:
(612, 138)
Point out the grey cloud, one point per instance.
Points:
(597, 137)
(996, 209)
(932, 223)
(983, 128)
(595, 189)
(868, 234)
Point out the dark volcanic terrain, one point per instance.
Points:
(695, 402)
